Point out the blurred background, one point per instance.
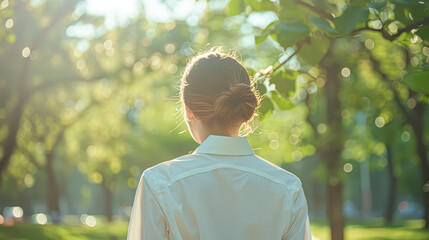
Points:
(89, 100)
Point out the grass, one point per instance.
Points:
(410, 229)
(377, 230)
(115, 231)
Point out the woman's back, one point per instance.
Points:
(221, 191)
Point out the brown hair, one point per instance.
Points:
(217, 88)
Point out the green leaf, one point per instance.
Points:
(408, 3)
(322, 24)
(353, 16)
(401, 14)
(423, 32)
(265, 33)
(281, 102)
(376, 5)
(418, 12)
(236, 7)
(289, 33)
(261, 5)
(289, 10)
(403, 10)
(359, 3)
(260, 39)
(261, 88)
(266, 108)
(313, 53)
(285, 82)
(418, 81)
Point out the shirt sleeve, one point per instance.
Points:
(147, 218)
(299, 227)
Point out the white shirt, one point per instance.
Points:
(221, 191)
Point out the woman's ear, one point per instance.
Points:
(189, 115)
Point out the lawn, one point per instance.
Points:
(404, 230)
(410, 229)
(115, 231)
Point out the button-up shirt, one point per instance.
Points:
(221, 191)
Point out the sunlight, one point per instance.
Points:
(115, 12)
(120, 12)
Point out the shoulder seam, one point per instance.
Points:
(223, 165)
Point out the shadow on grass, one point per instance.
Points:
(410, 229)
(376, 229)
(114, 231)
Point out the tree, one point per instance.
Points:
(18, 84)
(312, 30)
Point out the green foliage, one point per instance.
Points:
(322, 24)
(236, 7)
(313, 52)
(281, 102)
(265, 33)
(266, 108)
(377, 5)
(423, 32)
(262, 89)
(285, 82)
(116, 98)
(418, 81)
(289, 33)
(353, 16)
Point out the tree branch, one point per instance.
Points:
(30, 156)
(273, 70)
(386, 35)
(54, 82)
(298, 48)
(50, 154)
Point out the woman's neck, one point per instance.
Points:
(218, 130)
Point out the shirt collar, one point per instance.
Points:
(223, 145)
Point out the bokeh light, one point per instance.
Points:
(9, 23)
(345, 72)
(348, 167)
(405, 136)
(403, 206)
(17, 212)
(379, 122)
(26, 52)
(90, 221)
(41, 219)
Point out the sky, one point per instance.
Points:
(118, 12)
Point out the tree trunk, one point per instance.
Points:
(335, 210)
(108, 201)
(393, 185)
(418, 126)
(23, 95)
(14, 120)
(52, 192)
(332, 148)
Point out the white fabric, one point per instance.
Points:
(221, 191)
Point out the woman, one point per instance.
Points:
(222, 190)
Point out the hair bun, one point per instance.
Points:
(235, 105)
